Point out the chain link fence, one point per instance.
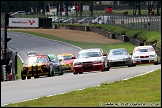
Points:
(117, 18)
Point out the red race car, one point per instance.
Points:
(67, 60)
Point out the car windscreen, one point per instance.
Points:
(65, 57)
(89, 54)
(143, 50)
(118, 52)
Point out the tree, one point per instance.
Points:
(91, 8)
(150, 6)
(158, 7)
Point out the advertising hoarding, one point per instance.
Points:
(23, 22)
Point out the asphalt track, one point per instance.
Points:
(22, 90)
(24, 43)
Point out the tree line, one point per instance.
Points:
(36, 6)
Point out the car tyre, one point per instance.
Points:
(130, 65)
(61, 72)
(75, 73)
(22, 77)
(36, 76)
(28, 77)
(80, 72)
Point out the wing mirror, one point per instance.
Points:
(73, 57)
(104, 54)
(156, 50)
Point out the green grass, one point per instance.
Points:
(19, 67)
(143, 89)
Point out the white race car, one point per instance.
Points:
(144, 55)
(88, 60)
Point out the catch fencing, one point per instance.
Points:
(140, 22)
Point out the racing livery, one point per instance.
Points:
(37, 65)
(144, 55)
(88, 60)
(67, 60)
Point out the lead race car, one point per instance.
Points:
(88, 60)
(37, 65)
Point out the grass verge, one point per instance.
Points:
(142, 90)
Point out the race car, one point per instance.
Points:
(67, 60)
(56, 64)
(37, 65)
(144, 55)
(88, 60)
(119, 57)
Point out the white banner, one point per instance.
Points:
(23, 22)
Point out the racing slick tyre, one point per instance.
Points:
(106, 69)
(130, 65)
(61, 73)
(75, 73)
(22, 77)
(80, 72)
(36, 76)
(28, 77)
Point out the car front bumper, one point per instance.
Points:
(119, 63)
(88, 67)
(144, 60)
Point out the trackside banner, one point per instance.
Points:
(23, 22)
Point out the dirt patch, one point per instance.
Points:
(74, 35)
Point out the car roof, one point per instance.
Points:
(89, 50)
(118, 49)
(52, 55)
(146, 46)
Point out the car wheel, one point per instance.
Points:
(75, 73)
(80, 72)
(107, 68)
(28, 77)
(36, 76)
(130, 65)
(22, 77)
(61, 73)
